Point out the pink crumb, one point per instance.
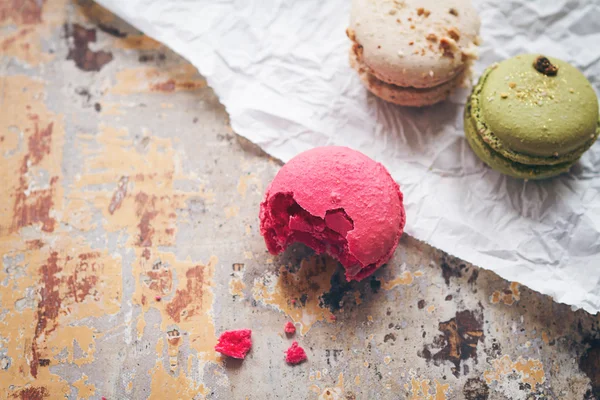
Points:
(295, 354)
(290, 328)
(158, 298)
(333, 318)
(235, 344)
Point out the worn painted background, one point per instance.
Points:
(129, 241)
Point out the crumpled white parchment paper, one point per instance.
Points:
(280, 67)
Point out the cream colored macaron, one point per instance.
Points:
(413, 52)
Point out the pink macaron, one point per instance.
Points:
(337, 201)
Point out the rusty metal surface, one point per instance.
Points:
(129, 241)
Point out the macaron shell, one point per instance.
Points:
(332, 178)
(415, 43)
(405, 96)
(488, 136)
(501, 164)
(539, 115)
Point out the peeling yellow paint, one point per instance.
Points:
(357, 380)
(38, 133)
(314, 389)
(140, 326)
(236, 287)
(142, 202)
(531, 371)
(545, 338)
(168, 79)
(145, 204)
(387, 360)
(231, 211)
(420, 389)
(25, 43)
(247, 180)
(431, 309)
(406, 278)
(335, 393)
(66, 338)
(287, 290)
(166, 384)
(111, 108)
(187, 305)
(138, 42)
(84, 390)
(507, 296)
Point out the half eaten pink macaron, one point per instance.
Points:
(337, 201)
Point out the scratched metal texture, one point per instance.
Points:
(129, 241)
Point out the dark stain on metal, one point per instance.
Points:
(304, 299)
(473, 278)
(79, 51)
(111, 30)
(97, 107)
(421, 304)
(450, 269)
(44, 362)
(459, 339)
(27, 12)
(47, 308)
(389, 337)
(118, 195)
(375, 284)
(143, 58)
(589, 363)
(191, 295)
(476, 389)
(448, 298)
(339, 288)
(84, 92)
(32, 393)
(335, 354)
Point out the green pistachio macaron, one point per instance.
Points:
(532, 117)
